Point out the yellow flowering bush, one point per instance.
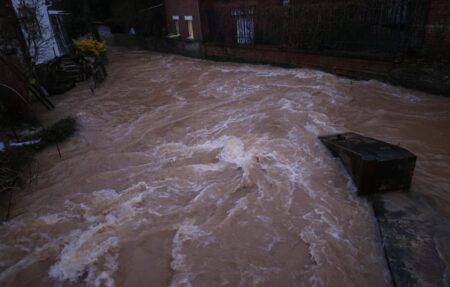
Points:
(91, 48)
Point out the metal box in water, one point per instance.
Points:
(374, 166)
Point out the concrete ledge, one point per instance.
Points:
(374, 166)
(415, 240)
(415, 236)
(432, 77)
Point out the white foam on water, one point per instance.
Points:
(37, 254)
(51, 219)
(240, 206)
(234, 152)
(230, 162)
(287, 105)
(273, 240)
(91, 254)
(187, 233)
(81, 254)
(208, 167)
(254, 275)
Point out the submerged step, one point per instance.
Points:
(415, 236)
(415, 239)
(374, 166)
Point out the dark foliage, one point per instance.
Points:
(18, 165)
(60, 131)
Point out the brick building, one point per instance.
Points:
(183, 18)
(188, 18)
(361, 39)
(207, 6)
(195, 19)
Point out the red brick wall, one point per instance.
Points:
(183, 8)
(438, 28)
(437, 36)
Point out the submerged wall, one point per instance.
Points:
(350, 66)
(429, 76)
(187, 48)
(412, 73)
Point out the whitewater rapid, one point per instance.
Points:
(187, 172)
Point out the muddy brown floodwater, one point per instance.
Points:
(195, 173)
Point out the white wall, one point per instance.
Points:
(48, 47)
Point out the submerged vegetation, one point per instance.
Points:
(17, 164)
(56, 133)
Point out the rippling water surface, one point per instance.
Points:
(195, 173)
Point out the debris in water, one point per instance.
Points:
(18, 144)
(43, 138)
(17, 156)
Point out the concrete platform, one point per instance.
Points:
(374, 166)
(416, 240)
(415, 236)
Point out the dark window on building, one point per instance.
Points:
(245, 27)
